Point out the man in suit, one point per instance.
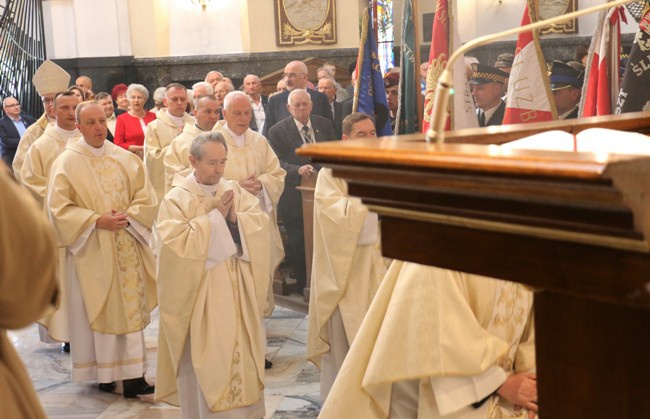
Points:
(487, 88)
(327, 86)
(295, 75)
(106, 102)
(12, 126)
(301, 127)
(259, 102)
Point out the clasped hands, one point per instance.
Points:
(521, 390)
(224, 204)
(251, 184)
(112, 221)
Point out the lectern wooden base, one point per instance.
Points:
(574, 226)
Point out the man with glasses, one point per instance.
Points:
(295, 75)
(12, 126)
(49, 79)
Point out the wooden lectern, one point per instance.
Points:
(575, 226)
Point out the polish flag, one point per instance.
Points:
(603, 66)
(529, 97)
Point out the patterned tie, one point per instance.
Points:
(305, 134)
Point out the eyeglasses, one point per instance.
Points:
(47, 100)
(12, 106)
(292, 75)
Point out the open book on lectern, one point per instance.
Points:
(592, 140)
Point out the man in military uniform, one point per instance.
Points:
(566, 84)
(487, 88)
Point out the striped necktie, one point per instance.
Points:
(306, 136)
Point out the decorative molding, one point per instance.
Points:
(545, 9)
(299, 22)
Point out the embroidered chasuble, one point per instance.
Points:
(456, 336)
(177, 156)
(211, 295)
(347, 267)
(158, 137)
(115, 269)
(252, 154)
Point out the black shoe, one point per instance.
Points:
(268, 364)
(107, 387)
(136, 387)
(66, 347)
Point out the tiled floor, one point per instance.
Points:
(292, 387)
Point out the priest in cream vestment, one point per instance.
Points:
(26, 290)
(160, 133)
(35, 171)
(49, 80)
(101, 204)
(440, 344)
(177, 157)
(347, 266)
(253, 163)
(213, 250)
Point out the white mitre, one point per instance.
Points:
(50, 78)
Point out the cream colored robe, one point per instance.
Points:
(257, 157)
(157, 139)
(35, 172)
(38, 161)
(220, 306)
(115, 270)
(32, 134)
(27, 288)
(346, 269)
(458, 334)
(177, 157)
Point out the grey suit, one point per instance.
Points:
(285, 138)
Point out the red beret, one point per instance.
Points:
(118, 89)
(391, 79)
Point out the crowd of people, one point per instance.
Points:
(181, 207)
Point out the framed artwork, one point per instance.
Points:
(545, 9)
(299, 22)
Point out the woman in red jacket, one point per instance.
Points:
(131, 126)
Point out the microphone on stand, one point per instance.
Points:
(436, 130)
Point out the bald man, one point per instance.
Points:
(295, 75)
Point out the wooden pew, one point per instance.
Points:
(575, 226)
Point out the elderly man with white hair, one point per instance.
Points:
(199, 89)
(295, 75)
(162, 131)
(286, 136)
(213, 77)
(253, 163)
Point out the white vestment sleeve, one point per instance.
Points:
(454, 393)
(221, 246)
(78, 244)
(368, 233)
(137, 230)
(265, 201)
(244, 255)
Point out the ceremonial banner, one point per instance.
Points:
(409, 86)
(529, 97)
(602, 71)
(370, 94)
(462, 113)
(635, 91)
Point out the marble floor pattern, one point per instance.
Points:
(292, 385)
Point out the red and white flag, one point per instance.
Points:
(529, 97)
(445, 39)
(602, 76)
